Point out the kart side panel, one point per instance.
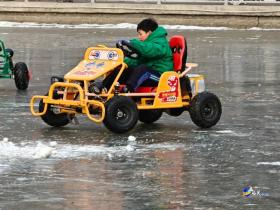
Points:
(168, 92)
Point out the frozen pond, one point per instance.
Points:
(169, 165)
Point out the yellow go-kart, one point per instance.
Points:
(81, 92)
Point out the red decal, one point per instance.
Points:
(84, 73)
(172, 94)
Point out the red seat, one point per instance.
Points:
(146, 89)
(178, 46)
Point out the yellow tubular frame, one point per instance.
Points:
(83, 103)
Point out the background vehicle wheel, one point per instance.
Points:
(121, 114)
(205, 109)
(52, 118)
(21, 76)
(149, 116)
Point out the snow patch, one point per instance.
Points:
(269, 163)
(225, 131)
(131, 138)
(42, 151)
(10, 150)
(8, 24)
(5, 139)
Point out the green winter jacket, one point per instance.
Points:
(155, 52)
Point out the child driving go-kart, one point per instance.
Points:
(174, 92)
(155, 56)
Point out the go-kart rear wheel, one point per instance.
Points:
(121, 114)
(149, 116)
(52, 117)
(205, 109)
(21, 76)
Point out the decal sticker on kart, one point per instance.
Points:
(88, 68)
(85, 73)
(90, 64)
(103, 55)
(112, 55)
(94, 54)
(172, 94)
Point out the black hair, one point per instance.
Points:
(147, 25)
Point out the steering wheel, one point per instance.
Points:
(127, 49)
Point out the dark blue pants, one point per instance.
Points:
(139, 75)
(134, 77)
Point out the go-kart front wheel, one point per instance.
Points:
(205, 109)
(121, 114)
(52, 116)
(21, 76)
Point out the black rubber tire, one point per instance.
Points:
(53, 119)
(175, 112)
(205, 109)
(149, 116)
(21, 76)
(121, 114)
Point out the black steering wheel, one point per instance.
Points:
(127, 49)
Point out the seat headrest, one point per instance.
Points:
(178, 46)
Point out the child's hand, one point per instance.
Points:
(125, 46)
(125, 42)
(121, 43)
